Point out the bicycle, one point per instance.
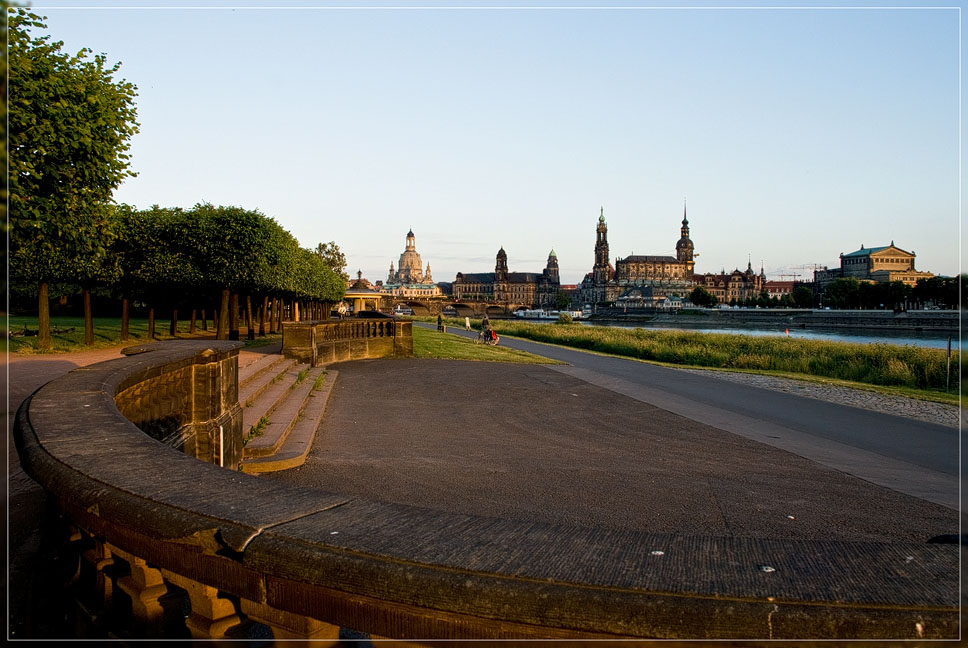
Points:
(486, 337)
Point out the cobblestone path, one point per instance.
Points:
(909, 407)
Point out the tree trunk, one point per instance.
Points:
(173, 328)
(43, 318)
(204, 321)
(193, 328)
(273, 305)
(234, 316)
(295, 311)
(125, 318)
(281, 307)
(151, 323)
(262, 316)
(223, 317)
(88, 319)
(249, 328)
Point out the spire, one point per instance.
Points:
(685, 221)
(601, 215)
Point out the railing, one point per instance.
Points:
(322, 342)
(166, 545)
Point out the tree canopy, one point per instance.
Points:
(70, 125)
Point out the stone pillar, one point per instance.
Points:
(211, 617)
(145, 586)
(101, 591)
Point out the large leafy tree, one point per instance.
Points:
(334, 258)
(69, 128)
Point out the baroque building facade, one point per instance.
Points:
(734, 287)
(529, 289)
(638, 279)
(882, 264)
(409, 279)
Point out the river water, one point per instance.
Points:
(930, 339)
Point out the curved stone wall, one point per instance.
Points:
(152, 524)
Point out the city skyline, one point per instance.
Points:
(793, 134)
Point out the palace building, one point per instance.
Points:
(639, 278)
(528, 289)
(882, 264)
(735, 286)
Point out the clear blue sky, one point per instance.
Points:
(795, 135)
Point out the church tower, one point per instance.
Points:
(427, 277)
(600, 269)
(684, 248)
(551, 270)
(501, 267)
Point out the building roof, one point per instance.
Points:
(869, 251)
(477, 277)
(523, 277)
(649, 259)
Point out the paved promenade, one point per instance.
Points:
(915, 457)
(537, 444)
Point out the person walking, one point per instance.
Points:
(467, 323)
(440, 323)
(485, 323)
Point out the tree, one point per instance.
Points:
(69, 129)
(333, 257)
(562, 300)
(702, 297)
(802, 297)
(843, 293)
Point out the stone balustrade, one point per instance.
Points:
(326, 341)
(166, 545)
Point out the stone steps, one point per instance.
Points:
(256, 377)
(294, 450)
(270, 387)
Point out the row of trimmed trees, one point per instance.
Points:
(207, 259)
(235, 259)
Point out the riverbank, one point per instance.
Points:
(921, 320)
(903, 370)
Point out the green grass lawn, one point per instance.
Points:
(433, 344)
(896, 370)
(107, 333)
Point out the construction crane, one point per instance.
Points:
(794, 275)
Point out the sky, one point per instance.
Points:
(791, 134)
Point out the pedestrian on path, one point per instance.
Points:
(467, 323)
(440, 323)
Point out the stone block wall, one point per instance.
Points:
(190, 404)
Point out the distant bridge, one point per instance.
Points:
(436, 305)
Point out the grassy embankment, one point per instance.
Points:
(432, 344)
(887, 368)
(107, 333)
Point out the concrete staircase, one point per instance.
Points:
(282, 405)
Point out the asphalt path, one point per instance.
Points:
(913, 457)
